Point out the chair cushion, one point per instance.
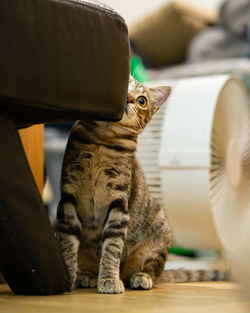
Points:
(62, 60)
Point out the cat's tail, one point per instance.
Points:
(183, 275)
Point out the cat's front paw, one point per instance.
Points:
(87, 280)
(141, 281)
(110, 286)
(73, 280)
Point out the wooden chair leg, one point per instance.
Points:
(32, 140)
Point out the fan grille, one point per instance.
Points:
(148, 153)
(230, 165)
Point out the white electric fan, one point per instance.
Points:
(195, 154)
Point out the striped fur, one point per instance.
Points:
(183, 275)
(111, 231)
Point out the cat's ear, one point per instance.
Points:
(158, 96)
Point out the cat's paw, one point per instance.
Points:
(110, 286)
(141, 281)
(73, 280)
(74, 285)
(87, 280)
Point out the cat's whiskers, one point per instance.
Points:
(134, 112)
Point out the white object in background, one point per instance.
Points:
(202, 140)
(184, 161)
(204, 160)
(133, 11)
(205, 167)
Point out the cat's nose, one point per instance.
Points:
(130, 98)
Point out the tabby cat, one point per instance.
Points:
(111, 231)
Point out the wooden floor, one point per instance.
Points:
(202, 297)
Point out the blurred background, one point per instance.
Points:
(134, 10)
(199, 44)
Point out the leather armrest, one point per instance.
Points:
(62, 60)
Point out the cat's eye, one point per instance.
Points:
(142, 101)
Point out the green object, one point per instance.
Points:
(182, 251)
(138, 70)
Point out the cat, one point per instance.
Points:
(111, 232)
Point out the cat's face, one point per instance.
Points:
(142, 103)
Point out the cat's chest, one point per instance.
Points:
(102, 168)
(96, 166)
(102, 178)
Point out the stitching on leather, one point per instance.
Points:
(106, 11)
(95, 8)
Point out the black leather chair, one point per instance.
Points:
(59, 61)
